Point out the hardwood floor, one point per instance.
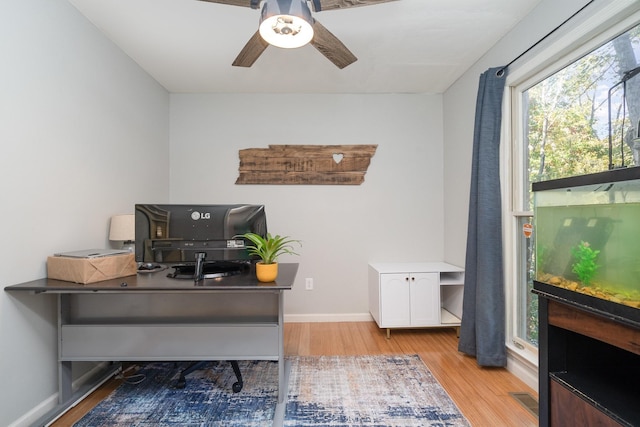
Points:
(482, 394)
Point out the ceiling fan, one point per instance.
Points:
(289, 24)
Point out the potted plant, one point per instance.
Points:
(269, 248)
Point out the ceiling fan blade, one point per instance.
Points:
(251, 51)
(331, 47)
(254, 4)
(319, 5)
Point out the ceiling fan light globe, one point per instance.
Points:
(286, 23)
(286, 31)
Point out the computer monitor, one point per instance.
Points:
(167, 233)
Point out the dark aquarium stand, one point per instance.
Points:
(589, 349)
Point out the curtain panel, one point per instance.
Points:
(482, 331)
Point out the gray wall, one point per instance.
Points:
(395, 215)
(84, 134)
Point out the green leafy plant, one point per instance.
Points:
(585, 266)
(269, 248)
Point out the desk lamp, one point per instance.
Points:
(123, 230)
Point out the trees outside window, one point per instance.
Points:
(567, 114)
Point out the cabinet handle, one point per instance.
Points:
(406, 279)
(413, 278)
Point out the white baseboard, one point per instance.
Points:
(522, 368)
(35, 413)
(49, 403)
(314, 318)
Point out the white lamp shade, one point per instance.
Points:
(122, 228)
(286, 23)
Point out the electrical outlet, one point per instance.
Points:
(308, 283)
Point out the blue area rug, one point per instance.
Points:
(323, 391)
(207, 399)
(367, 391)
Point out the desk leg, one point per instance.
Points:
(64, 382)
(284, 368)
(282, 384)
(278, 417)
(64, 368)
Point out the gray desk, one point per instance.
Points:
(150, 317)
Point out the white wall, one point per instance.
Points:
(396, 215)
(83, 136)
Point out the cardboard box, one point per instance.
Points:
(90, 270)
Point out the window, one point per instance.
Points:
(573, 115)
(575, 119)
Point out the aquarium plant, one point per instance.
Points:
(585, 266)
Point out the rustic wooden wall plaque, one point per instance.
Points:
(305, 164)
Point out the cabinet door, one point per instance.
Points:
(395, 300)
(425, 299)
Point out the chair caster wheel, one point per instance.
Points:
(181, 383)
(237, 387)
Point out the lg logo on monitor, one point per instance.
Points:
(197, 215)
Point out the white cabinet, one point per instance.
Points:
(408, 299)
(409, 295)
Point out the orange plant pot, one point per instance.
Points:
(266, 272)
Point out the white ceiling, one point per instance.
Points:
(404, 46)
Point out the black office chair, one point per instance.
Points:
(198, 276)
(194, 366)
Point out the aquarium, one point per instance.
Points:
(587, 234)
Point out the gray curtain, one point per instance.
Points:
(482, 332)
